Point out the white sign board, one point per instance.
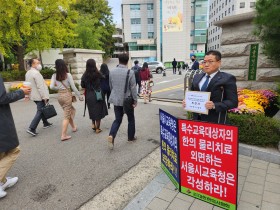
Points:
(195, 101)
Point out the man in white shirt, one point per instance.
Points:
(39, 94)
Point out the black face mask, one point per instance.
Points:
(193, 60)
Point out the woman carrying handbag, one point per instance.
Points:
(62, 81)
(145, 77)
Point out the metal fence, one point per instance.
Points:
(189, 78)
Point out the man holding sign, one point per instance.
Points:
(222, 88)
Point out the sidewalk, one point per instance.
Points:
(258, 189)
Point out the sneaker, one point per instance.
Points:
(32, 132)
(132, 140)
(11, 181)
(2, 193)
(111, 142)
(48, 125)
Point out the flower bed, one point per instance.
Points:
(256, 102)
(18, 85)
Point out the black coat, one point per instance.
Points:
(223, 93)
(8, 133)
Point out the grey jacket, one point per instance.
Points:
(117, 83)
(8, 133)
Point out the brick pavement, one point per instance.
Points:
(258, 189)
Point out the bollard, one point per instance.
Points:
(180, 72)
(163, 74)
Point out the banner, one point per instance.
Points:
(209, 162)
(172, 15)
(169, 146)
(253, 62)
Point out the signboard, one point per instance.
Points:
(169, 146)
(196, 100)
(172, 15)
(209, 162)
(145, 41)
(253, 63)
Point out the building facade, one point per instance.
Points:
(156, 29)
(218, 9)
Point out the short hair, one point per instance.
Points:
(193, 56)
(136, 62)
(123, 58)
(216, 53)
(31, 61)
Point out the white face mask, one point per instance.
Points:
(39, 67)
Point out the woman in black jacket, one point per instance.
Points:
(104, 82)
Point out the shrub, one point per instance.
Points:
(14, 75)
(256, 129)
(47, 73)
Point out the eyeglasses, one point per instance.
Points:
(209, 62)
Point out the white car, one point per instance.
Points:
(156, 66)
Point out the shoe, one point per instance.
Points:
(98, 130)
(48, 125)
(132, 140)
(66, 138)
(150, 100)
(111, 142)
(11, 181)
(32, 132)
(2, 193)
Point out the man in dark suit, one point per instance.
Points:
(195, 64)
(221, 85)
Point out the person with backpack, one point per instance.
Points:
(136, 68)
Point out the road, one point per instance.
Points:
(65, 175)
(170, 86)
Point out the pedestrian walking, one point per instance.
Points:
(195, 64)
(95, 99)
(104, 82)
(9, 143)
(174, 65)
(118, 78)
(63, 81)
(136, 68)
(39, 94)
(145, 76)
(222, 87)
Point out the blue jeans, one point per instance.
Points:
(118, 120)
(38, 116)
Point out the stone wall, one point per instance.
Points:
(237, 36)
(77, 59)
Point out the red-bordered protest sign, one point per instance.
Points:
(209, 162)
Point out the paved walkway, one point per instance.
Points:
(258, 189)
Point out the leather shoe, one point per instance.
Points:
(134, 139)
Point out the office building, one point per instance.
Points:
(218, 9)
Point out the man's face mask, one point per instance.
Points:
(39, 67)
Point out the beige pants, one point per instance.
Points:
(7, 159)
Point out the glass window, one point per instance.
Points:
(225, 13)
(232, 8)
(150, 6)
(198, 5)
(150, 35)
(200, 32)
(192, 18)
(135, 7)
(135, 35)
(192, 32)
(228, 10)
(135, 21)
(218, 46)
(220, 8)
(226, 2)
(242, 4)
(252, 4)
(150, 20)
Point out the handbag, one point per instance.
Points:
(151, 83)
(127, 101)
(98, 95)
(48, 111)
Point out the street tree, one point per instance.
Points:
(268, 27)
(34, 25)
(95, 26)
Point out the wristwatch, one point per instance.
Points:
(213, 106)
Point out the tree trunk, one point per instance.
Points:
(20, 57)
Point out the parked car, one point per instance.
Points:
(156, 66)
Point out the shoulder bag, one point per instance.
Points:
(128, 101)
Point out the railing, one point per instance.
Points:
(189, 78)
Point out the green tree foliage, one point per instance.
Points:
(94, 26)
(268, 27)
(34, 25)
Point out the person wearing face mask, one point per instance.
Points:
(39, 94)
(195, 65)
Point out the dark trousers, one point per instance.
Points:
(107, 94)
(174, 70)
(139, 86)
(118, 120)
(38, 116)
